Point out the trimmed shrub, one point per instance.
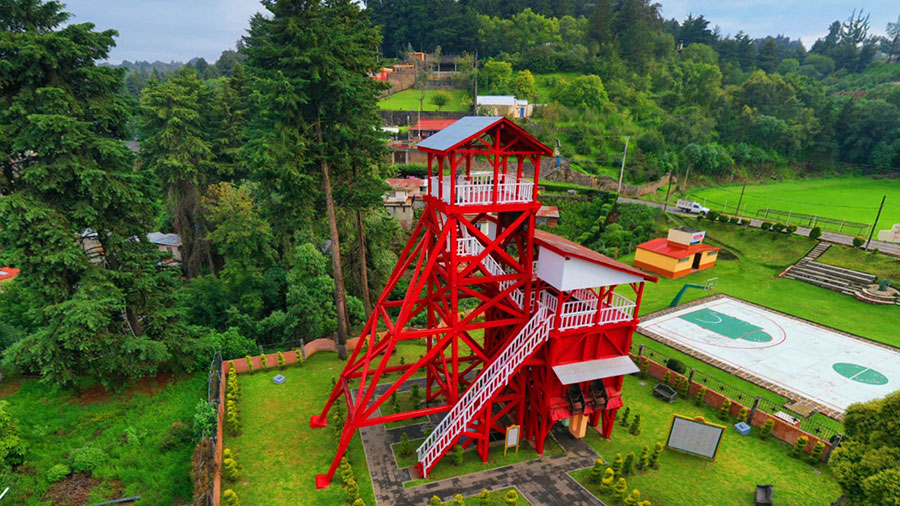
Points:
(744, 223)
(778, 227)
(299, 356)
(654, 457)
(723, 218)
(643, 364)
(249, 364)
(734, 220)
(791, 229)
(633, 499)
(231, 470)
(281, 363)
(858, 242)
(667, 379)
(415, 396)
(606, 483)
(617, 464)
(597, 471)
(89, 458)
(346, 470)
(817, 452)
(230, 498)
(766, 225)
(352, 491)
(799, 446)
(742, 414)
(263, 363)
(620, 490)
(635, 428)
(625, 415)
(435, 501)
(685, 388)
(360, 502)
(458, 500)
(458, 455)
(712, 215)
(512, 497)
(405, 446)
(643, 462)
(815, 233)
(628, 466)
(700, 396)
(767, 429)
(57, 473)
(484, 496)
(725, 409)
(676, 365)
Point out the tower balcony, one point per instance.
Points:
(482, 189)
(584, 308)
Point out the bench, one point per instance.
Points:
(665, 392)
(764, 495)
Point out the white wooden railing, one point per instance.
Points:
(581, 311)
(492, 378)
(479, 189)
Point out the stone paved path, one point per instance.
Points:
(544, 481)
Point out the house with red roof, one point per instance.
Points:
(8, 273)
(679, 254)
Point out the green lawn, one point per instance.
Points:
(472, 463)
(278, 453)
(408, 100)
(850, 198)
(133, 428)
(730, 480)
(495, 498)
(883, 266)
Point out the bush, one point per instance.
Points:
(685, 388)
(281, 360)
(633, 499)
(299, 357)
(512, 497)
(405, 446)
(12, 446)
(799, 447)
(723, 218)
(725, 409)
(458, 455)
(701, 395)
(734, 220)
(635, 428)
(620, 490)
(817, 452)
(654, 457)
(88, 458)
(346, 470)
(712, 215)
(358, 502)
(744, 223)
(458, 500)
(858, 242)
(263, 363)
(667, 379)
(231, 469)
(484, 496)
(352, 491)
(230, 498)
(617, 464)
(204, 418)
(628, 465)
(249, 364)
(644, 364)
(676, 365)
(791, 229)
(606, 484)
(57, 473)
(643, 462)
(766, 225)
(815, 233)
(625, 415)
(767, 429)
(742, 414)
(778, 227)
(597, 471)
(435, 501)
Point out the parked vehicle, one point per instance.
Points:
(689, 206)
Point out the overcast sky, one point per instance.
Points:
(179, 30)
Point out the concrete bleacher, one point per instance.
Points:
(828, 276)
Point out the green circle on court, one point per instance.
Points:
(860, 373)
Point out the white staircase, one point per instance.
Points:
(494, 377)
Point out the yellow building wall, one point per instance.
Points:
(652, 258)
(708, 258)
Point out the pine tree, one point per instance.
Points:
(405, 447)
(701, 395)
(635, 428)
(620, 490)
(818, 450)
(628, 466)
(725, 409)
(597, 471)
(67, 178)
(799, 447)
(767, 428)
(654, 457)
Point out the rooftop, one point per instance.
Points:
(7, 273)
(548, 212)
(461, 130)
(164, 239)
(566, 247)
(432, 124)
(495, 100)
(664, 247)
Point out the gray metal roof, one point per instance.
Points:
(457, 132)
(164, 239)
(594, 369)
(495, 100)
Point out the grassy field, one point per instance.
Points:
(472, 463)
(408, 100)
(730, 480)
(883, 266)
(145, 455)
(846, 198)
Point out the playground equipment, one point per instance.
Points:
(710, 284)
(556, 331)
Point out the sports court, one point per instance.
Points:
(822, 365)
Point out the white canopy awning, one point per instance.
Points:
(594, 369)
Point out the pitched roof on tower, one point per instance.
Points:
(566, 247)
(468, 127)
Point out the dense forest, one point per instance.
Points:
(269, 165)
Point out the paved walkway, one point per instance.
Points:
(834, 237)
(543, 481)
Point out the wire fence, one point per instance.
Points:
(812, 220)
(204, 472)
(775, 406)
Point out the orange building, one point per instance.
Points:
(680, 254)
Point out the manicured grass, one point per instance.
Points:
(404, 403)
(472, 463)
(846, 198)
(730, 480)
(130, 427)
(495, 498)
(278, 453)
(883, 266)
(408, 100)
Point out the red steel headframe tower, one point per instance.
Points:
(556, 333)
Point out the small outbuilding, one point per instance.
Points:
(679, 254)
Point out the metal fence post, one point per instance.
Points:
(753, 410)
(641, 350)
(835, 442)
(691, 376)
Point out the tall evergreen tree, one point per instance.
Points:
(316, 116)
(64, 170)
(173, 127)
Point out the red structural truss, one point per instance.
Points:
(502, 345)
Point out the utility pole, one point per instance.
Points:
(877, 216)
(622, 170)
(668, 191)
(738, 211)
